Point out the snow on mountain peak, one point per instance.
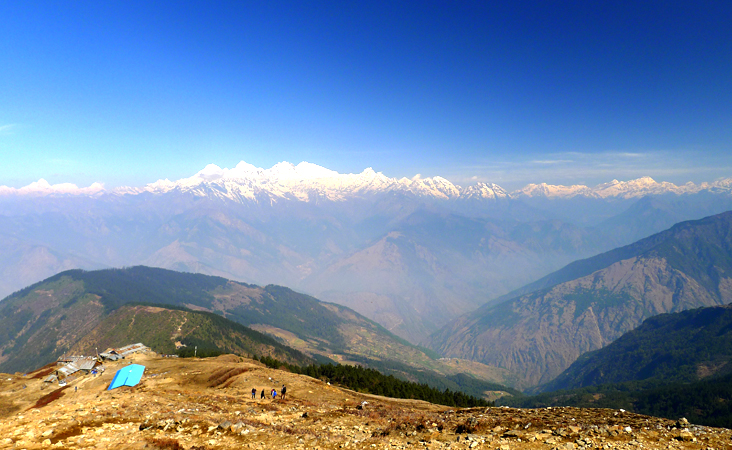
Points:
(552, 191)
(614, 189)
(484, 191)
(37, 185)
(636, 188)
(43, 188)
(245, 167)
(282, 169)
(311, 171)
(307, 181)
(211, 172)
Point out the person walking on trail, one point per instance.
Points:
(274, 394)
(284, 391)
(254, 393)
(262, 396)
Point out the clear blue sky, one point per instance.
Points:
(127, 92)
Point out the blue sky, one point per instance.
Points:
(127, 92)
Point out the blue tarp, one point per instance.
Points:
(127, 376)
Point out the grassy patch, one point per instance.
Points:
(48, 398)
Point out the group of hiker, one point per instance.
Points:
(273, 393)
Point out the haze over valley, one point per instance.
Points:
(411, 254)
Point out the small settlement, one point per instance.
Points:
(70, 368)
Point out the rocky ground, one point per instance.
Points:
(206, 404)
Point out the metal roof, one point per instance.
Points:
(51, 378)
(87, 363)
(68, 369)
(68, 359)
(129, 349)
(114, 354)
(110, 356)
(80, 363)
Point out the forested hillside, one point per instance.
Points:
(680, 347)
(703, 402)
(178, 330)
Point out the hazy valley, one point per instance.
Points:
(539, 334)
(410, 254)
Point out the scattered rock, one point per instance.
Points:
(685, 436)
(177, 413)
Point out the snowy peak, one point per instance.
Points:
(641, 187)
(634, 188)
(481, 191)
(304, 181)
(552, 191)
(42, 188)
(210, 173)
(282, 171)
(311, 182)
(621, 189)
(437, 187)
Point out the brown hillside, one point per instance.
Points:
(206, 404)
(538, 335)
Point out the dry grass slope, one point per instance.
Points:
(206, 404)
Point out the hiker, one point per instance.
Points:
(254, 393)
(274, 394)
(262, 397)
(284, 391)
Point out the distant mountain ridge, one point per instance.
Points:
(310, 182)
(590, 303)
(647, 209)
(411, 254)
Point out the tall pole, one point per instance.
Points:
(195, 351)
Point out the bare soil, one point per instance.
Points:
(207, 404)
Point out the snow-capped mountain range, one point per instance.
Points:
(306, 181)
(43, 187)
(409, 253)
